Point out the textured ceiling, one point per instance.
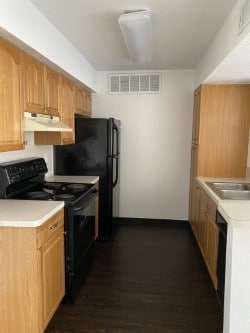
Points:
(236, 66)
(182, 29)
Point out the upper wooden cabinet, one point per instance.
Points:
(83, 101)
(52, 92)
(88, 102)
(67, 104)
(41, 87)
(11, 123)
(33, 84)
(196, 116)
(221, 130)
(67, 107)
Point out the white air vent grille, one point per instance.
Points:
(142, 83)
(244, 16)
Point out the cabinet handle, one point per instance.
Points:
(53, 226)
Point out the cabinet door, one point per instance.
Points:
(67, 117)
(83, 101)
(202, 238)
(33, 84)
(194, 208)
(212, 241)
(80, 99)
(53, 274)
(196, 116)
(11, 123)
(194, 162)
(68, 108)
(52, 92)
(224, 130)
(88, 103)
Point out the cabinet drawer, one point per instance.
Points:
(49, 228)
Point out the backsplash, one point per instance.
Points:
(30, 150)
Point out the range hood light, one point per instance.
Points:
(43, 123)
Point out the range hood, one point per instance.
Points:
(43, 123)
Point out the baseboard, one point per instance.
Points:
(151, 222)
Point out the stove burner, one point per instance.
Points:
(38, 195)
(64, 196)
(53, 186)
(76, 187)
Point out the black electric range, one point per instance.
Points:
(25, 180)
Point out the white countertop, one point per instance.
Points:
(27, 213)
(73, 179)
(236, 212)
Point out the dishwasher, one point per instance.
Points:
(221, 260)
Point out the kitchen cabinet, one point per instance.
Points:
(194, 208)
(221, 130)
(83, 101)
(52, 84)
(41, 87)
(88, 102)
(212, 240)
(32, 264)
(202, 221)
(220, 138)
(67, 110)
(206, 233)
(11, 120)
(32, 84)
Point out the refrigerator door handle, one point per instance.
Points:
(116, 135)
(116, 170)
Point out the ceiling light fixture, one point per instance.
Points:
(137, 34)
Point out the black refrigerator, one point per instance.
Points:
(96, 152)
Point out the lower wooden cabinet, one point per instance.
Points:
(32, 275)
(194, 210)
(212, 240)
(203, 223)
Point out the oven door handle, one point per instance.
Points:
(90, 197)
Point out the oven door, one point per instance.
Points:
(81, 231)
(79, 245)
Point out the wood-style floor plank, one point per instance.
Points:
(148, 279)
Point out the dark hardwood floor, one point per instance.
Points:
(148, 279)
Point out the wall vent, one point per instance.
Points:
(134, 83)
(244, 16)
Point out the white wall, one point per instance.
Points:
(24, 21)
(30, 151)
(225, 41)
(155, 145)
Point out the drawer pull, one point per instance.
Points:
(53, 226)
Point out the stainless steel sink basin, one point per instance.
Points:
(230, 186)
(231, 190)
(236, 195)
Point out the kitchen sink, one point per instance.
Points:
(236, 194)
(230, 190)
(230, 186)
